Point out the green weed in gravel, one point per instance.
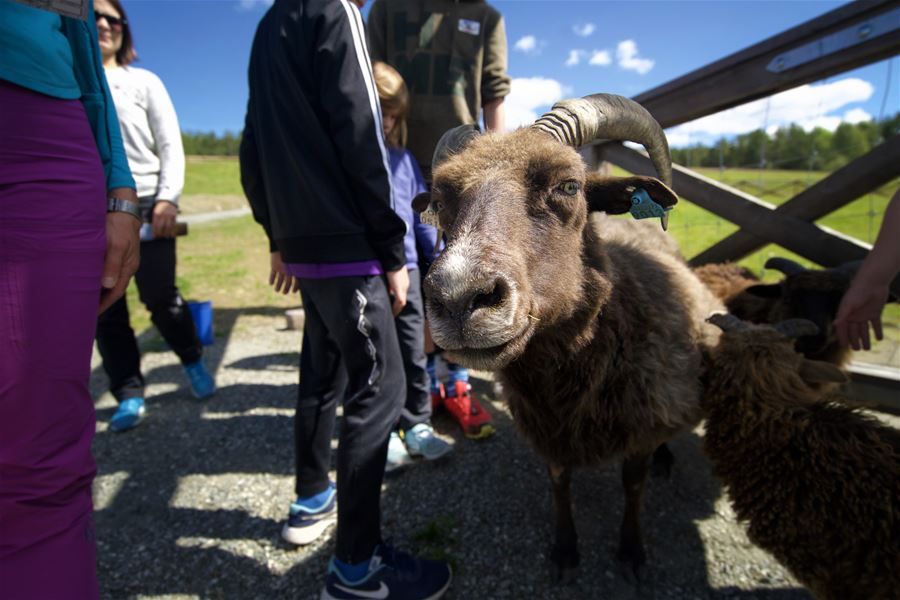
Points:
(434, 540)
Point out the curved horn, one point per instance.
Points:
(794, 328)
(452, 142)
(606, 116)
(850, 267)
(727, 322)
(785, 265)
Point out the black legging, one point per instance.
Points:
(118, 347)
(350, 355)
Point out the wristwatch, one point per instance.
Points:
(125, 206)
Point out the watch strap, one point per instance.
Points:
(125, 206)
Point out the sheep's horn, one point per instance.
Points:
(850, 267)
(452, 142)
(726, 322)
(794, 328)
(785, 265)
(605, 116)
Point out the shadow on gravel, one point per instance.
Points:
(190, 504)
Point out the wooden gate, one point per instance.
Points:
(851, 36)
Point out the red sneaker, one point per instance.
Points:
(474, 420)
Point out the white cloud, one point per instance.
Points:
(809, 106)
(584, 29)
(627, 55)
(529, 94)
(527, 44)
(253, 4)
(600, 58)
(857, 115)
(574, 58)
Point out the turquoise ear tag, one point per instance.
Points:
(644, 207)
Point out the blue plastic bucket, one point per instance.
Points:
(203, 320)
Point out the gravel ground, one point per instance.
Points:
(190, 504)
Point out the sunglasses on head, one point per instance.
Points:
(113, 22)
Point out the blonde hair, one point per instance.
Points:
(394, 98)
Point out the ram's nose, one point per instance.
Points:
(463, 302)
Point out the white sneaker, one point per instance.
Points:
(397, 455)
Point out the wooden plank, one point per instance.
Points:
(820, 244)
(742, 76)
(856, 179)
(875, 384)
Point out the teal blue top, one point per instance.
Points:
(59, 56)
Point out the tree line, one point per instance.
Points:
(791, 147)
(211, 144)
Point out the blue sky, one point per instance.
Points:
(557, 49)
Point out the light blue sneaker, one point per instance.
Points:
(421, 441)
(397, 455)
(310, 517)
(202, 384)
(128, 415)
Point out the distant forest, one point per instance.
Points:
(790, 148)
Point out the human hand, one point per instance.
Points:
(860, 306)
(163, 219)
(281, 281)
(122, 256)
(398, 286)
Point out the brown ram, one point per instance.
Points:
(817, 482)
(593, 324)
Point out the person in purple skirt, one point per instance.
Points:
(68, 246)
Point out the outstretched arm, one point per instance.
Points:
(864, 301)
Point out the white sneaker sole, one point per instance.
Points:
(301, 536)
(445, 450)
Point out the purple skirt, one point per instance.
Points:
(52, 244)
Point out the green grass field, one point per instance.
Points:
(213, 175)
(227, 261)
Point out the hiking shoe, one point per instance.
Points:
(421, 441)
(310, 517)
(397, 455)
(128, 415)
(202, 384)
(468, 412)
(392, 574)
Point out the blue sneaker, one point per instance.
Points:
(310, 517)
(202, 384)
(392, 574)
(421, 441)
(128, 415)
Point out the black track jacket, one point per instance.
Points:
(314, 165)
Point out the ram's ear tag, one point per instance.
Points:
(429, 216)
(644, 207)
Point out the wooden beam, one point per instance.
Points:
(856, 179)
(748, 74)
(822, 245)
(876, 384)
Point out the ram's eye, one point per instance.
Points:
(570, 188)
(438, 206)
